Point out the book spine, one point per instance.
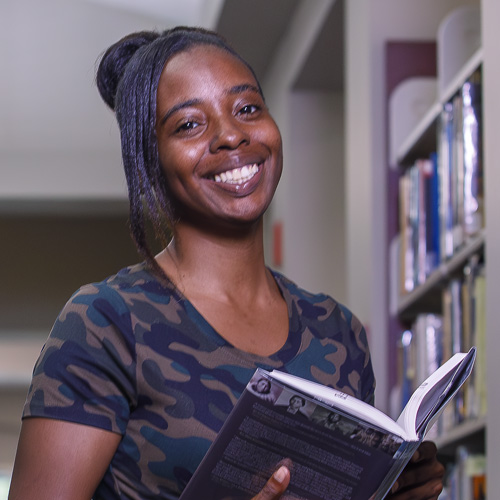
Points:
(445, 152)
(473, 169)
(419, 223)
(457, 173)
(460, 167)
(464, 327)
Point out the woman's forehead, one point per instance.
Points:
(203, 61)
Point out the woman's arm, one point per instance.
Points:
(58, 460)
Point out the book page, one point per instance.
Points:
(350, 404)
(430, 398)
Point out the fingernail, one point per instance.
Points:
(280, 474)
(395, 487)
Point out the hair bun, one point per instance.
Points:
(114, 61)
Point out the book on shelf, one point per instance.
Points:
(420, 353)
(471, 122)
(463, 326)
(431, 338)
(460, 167)
(441, 196)
(419, 222)
(474, 331)
(466, 478)
(340, 447)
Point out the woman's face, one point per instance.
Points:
(263, 385)
(218, 145)
(296, 402)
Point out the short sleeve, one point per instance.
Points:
(356, 343)
(86, 369)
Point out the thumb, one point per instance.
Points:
(275, 486)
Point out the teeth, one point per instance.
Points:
(237, 175)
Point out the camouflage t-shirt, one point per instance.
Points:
(131, 355)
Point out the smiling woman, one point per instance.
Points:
(141, 370)
(219, 147)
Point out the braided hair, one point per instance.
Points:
(127, 77)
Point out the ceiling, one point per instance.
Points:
(51, 112)
(324, 67)
(237, 20)
(172, 12)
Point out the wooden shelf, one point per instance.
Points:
(427, 297)
(471, 433)
(468, 68)
(422, 139)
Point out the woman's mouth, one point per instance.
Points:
(237, 175)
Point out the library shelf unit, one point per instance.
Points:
(427, 296)
(470, 434)
(478, 434)
(422, 139)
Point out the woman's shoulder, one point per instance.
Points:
(131, 284)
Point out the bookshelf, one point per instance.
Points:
(475, 434)
(427, 296)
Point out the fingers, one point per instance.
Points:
(275, 486)
(426, 451)
(428, 491)
(423, 476)
(416, 474)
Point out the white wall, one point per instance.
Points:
(57, 138)
(314, 231)
(310, 199)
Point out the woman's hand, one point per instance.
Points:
(276, 485)
(422, 478)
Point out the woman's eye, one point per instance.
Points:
(248, 109)
(187, 126)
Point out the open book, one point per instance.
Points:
(341, 448)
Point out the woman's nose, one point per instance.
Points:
(228, 134)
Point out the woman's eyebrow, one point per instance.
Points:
(238, 89)
(177, 107)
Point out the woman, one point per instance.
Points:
(141, 370)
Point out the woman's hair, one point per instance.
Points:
(127, 78)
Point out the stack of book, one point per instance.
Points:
(441, 197)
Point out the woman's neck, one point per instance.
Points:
(216, 263)
(226, 280)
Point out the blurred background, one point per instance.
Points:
(63, 204)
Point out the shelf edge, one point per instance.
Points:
(433, 113)
(442, 272)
